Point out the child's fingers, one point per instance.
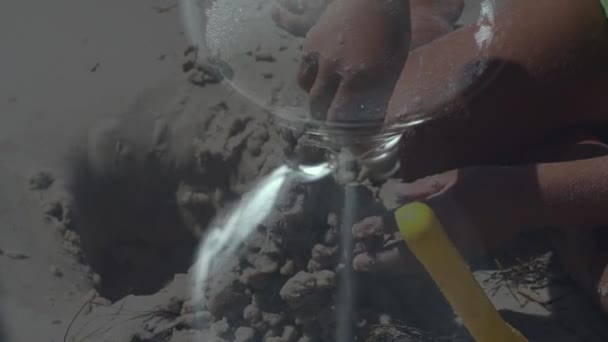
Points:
(418, 190)
(323, 90)
(355, 105)
(296, 24)
(397, 259)
(377, 262)
(340, 104)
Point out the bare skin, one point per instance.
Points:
(536, 87)
(356, 49)
(298, 17)
(484, 207)
(355, 70)
(539, 76)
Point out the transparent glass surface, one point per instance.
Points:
(278, 265)
(240, 41)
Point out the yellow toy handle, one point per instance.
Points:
(425, 237)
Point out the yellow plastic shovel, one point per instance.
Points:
(427, 240)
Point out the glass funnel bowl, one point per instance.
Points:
(264, 59)
(283, 253)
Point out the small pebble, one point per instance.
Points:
(41, 181)
(273, 319)
(198, 320)
(244, 334)
(289, 268)
(102, 301)
(87, 309)
(362, 323)
(268, 75)
(190, 49)
(265, 57)
(331, 236)
(89, 296)
(314, 266)
(56, 322)
(96, 279)
(332, 220)
(221, 328)
(17, 255)
(188, 65)
(55, 271)
(289, 333)
(54, 209)
(325, 279)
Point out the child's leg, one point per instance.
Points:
(584, 255)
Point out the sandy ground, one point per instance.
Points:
(64, 64)
(67, 63)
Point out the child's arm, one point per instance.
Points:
(558, 43)
(573, 193)
(483, 208)
(547, 59)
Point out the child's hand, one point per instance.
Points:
(428, 24)
(297, 17)
(353, 57)
(472, 204)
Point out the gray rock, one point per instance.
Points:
(55, 271)
(325, 279)
(288, 268)
(16, 255)
(324, 255)
(221, 328)
(194, 335)
(41, 181)
(298, 288)
(244, 334)
(273, 319)
(290, 334)
(254, 278)
(226, 296)
(304, 297)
